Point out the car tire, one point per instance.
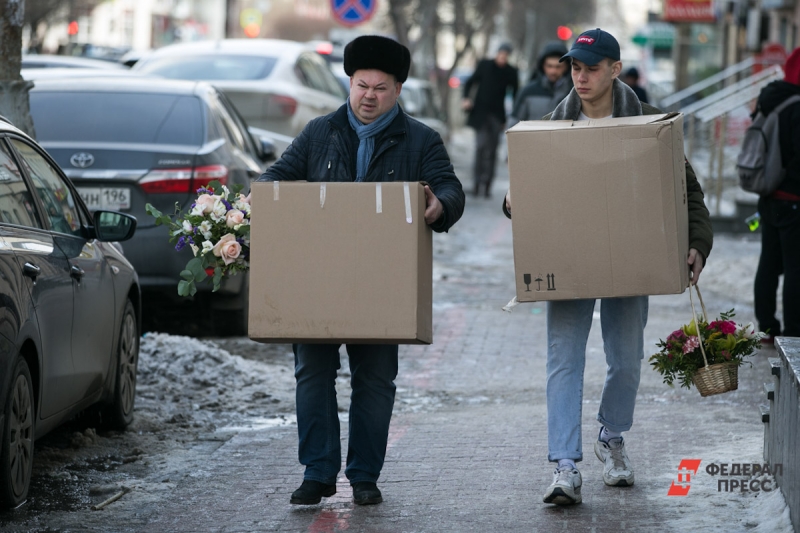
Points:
(16, 448)
(118, 414)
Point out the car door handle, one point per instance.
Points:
(76, 272)
(31, 270)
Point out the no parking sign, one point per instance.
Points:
(353, 12)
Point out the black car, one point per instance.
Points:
(128, 142)
(69, 308)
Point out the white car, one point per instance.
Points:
(275, 85)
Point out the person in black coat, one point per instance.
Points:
(780, 214)
(371, 139)
(631, 79)
(550, 83)
(492, 79)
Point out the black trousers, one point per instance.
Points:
(487, 137)
(780, 254)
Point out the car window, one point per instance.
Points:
(16, 201)
(231, 130)
(315, 73)
(239, 123)
(54, 193)
(117, 117)
(210, 67)
(310, 74)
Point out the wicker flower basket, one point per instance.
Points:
(716, 379)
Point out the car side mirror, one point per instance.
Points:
(267, 149)
(112, 226)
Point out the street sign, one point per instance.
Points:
(353, 12)
(688, 11)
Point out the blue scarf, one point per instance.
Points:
(366, 136)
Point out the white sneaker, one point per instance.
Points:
(566, 487)
(617, 471)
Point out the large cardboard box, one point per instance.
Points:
(599, 207)
(340, 262)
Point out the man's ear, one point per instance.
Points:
(616, 69)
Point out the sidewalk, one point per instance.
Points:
(468, 444)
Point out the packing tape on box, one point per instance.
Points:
(276, 191)
(407, 194)
(322, 193)
(511, 305)
(378, 198)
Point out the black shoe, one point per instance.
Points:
(366, 493)
(311, 492)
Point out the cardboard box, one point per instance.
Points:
(340, 263)
(599, 207)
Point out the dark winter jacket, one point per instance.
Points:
(406, 151)
(789, 130)
(540, 96)
(700, 234)
(492, 83)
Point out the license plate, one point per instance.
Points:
(111, 198)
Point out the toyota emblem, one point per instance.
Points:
(82, 160)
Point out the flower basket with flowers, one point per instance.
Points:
(705, 353)
(216, 228)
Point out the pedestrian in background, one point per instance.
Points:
(492, 80)
(631, 79)
(780, 213)
(370, 139)
(550, 83)
(597, 94)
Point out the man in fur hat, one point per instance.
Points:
(370, 139)
(598, 94)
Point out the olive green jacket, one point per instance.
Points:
(701, 236)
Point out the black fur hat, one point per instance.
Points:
(376, 52)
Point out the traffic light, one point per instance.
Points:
(564, 33)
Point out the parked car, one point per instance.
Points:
(126, 142)
(31, 61)
(69, 308)
(276, 85)
(59, 72)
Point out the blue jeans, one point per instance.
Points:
(373, 369)
(568, 323)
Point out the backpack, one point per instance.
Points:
(759, 162)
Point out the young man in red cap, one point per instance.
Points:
(368, 139)
(780, 213)
(597, 94)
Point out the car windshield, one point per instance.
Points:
(210, 67)
(117, 117)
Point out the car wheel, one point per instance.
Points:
(16, 449)
(119, 413)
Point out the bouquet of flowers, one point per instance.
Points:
(216, 228)
(699, 345)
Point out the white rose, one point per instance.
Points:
(748, 331)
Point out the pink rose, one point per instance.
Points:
(727, 327)
(207, 202)
(234, 217)
(227, 248)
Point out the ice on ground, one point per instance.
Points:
(192, 382)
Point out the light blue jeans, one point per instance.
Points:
(568, 324)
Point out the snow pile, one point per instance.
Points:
(190, 382)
